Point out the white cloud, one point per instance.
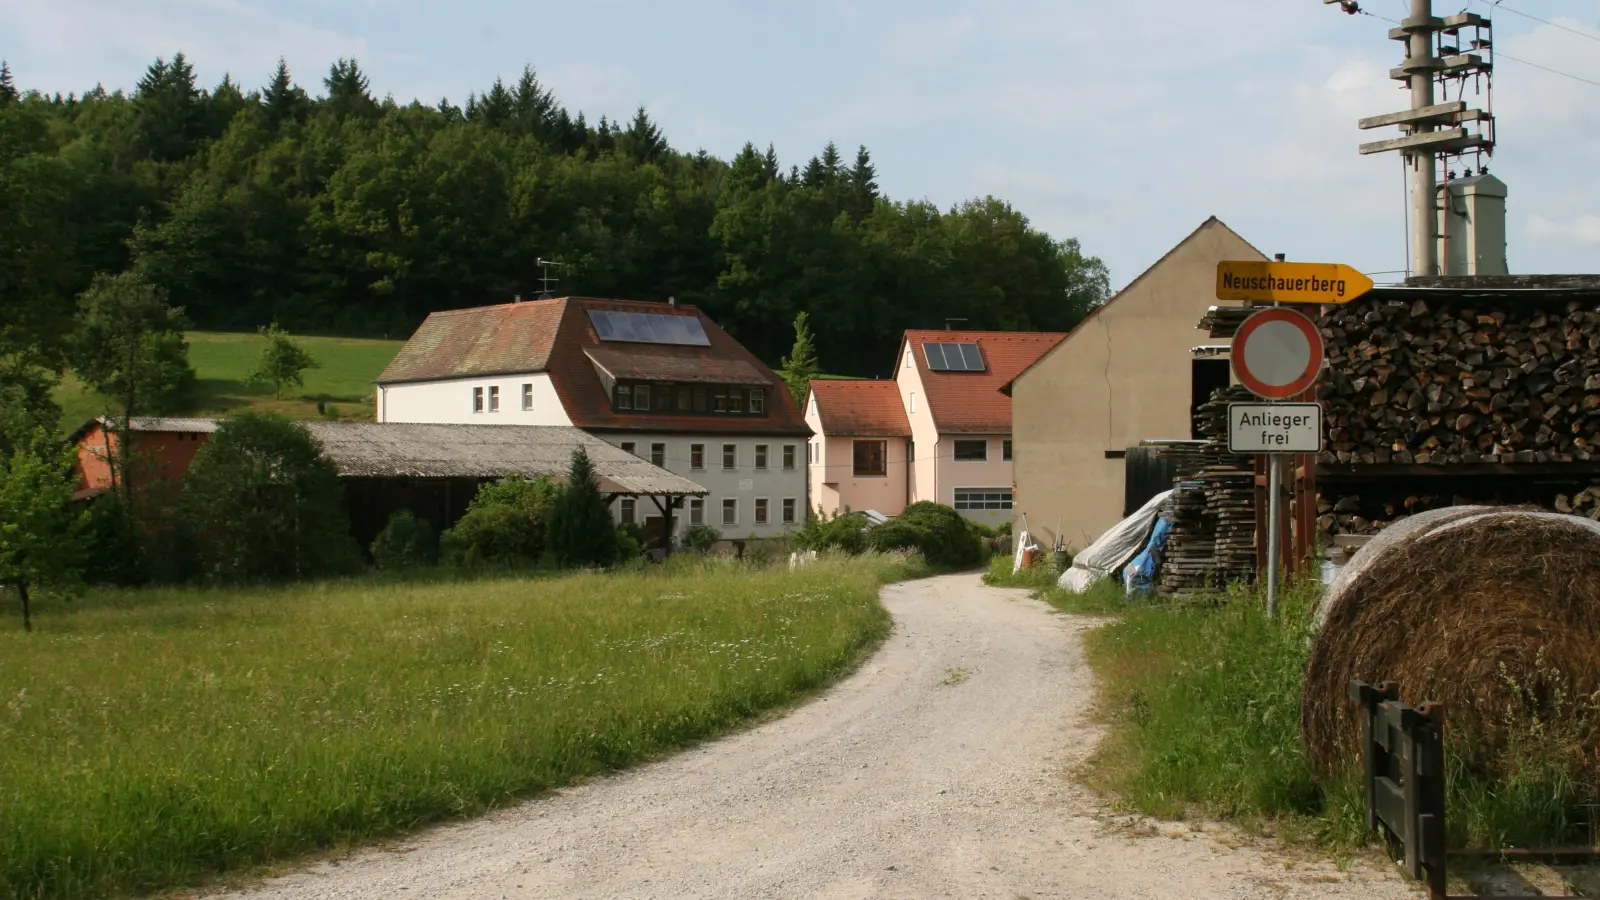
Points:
(1583, 230)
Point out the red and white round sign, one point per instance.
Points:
(1277, 353)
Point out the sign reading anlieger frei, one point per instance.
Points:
(1287, 282)
(1274, 428)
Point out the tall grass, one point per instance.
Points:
(1039, 576)
(149, 739)
(1202, 700)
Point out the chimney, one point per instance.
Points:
(1278, 257)
(1472, 226)
(672, 302)
(516, 298)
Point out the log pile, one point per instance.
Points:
(1212, 510)
(1365, 514)
(1434, 382)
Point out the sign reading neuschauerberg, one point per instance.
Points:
(1288, 282)
(1274, 428)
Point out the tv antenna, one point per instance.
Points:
(545, 280)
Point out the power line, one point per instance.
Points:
(1501, 55)
(1575, 31)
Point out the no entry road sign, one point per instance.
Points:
(1289, 282)
(1274, 427)
(1277, 353)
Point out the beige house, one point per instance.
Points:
(939, 431)
(1127, 373)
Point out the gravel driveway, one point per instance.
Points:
(940, 769)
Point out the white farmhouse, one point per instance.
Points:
(659, 380)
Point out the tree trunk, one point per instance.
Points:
(27, 607)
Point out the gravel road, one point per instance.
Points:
(940, 769)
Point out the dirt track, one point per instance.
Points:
(940, 769)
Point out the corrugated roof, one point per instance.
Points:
(972, 402)
(393, 449)
(860, 408)
(158, 423)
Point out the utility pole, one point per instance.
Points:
(1440, 54)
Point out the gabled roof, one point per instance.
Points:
(557, 337)
(860, 408)
(1210, 222)
(972, 402)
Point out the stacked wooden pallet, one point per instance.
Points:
(1212, 510)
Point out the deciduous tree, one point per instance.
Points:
(42, 536)
(282, 361)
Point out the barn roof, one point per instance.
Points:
(860, 408)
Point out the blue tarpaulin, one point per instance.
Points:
(1139, 575)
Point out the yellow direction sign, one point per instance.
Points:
(1289, 282)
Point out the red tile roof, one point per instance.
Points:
(860, 408)
(971, 402)
(557, 337)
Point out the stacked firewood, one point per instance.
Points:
(1433, 382)
(1356, 514)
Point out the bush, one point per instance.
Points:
(845, 531)
(507, 524)
(581, 531)
(405, 542)
(632, 541)
(701, 538)
(263, 504)
(940, 533)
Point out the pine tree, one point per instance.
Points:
(815, 175)
(282, 100)
(863, 184)
(581, 532)
(348, 90)
(494, 109)
(171, 117)
(832, 163)
(643, 140)
(533, 106)
(8, 88)
(771, 163)
(800, 366)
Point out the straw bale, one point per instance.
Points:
(1461, 606)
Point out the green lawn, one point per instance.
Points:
(223, 363)
(150, 739)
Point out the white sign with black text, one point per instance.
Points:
(1274, 427)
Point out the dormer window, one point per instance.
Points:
(680, 399)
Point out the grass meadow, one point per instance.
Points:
(156, 738)
(223, 363)
(1202, 703)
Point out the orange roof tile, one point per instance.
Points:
(972, 402)
(860, 408)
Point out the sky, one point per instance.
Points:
(1122, 123)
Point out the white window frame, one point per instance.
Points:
(641, 398)
(956, 502)
(757, 507)
(727, 503)
(761, 456)
(697, 456)
(911, 406)
(789, 457)
(628, 513)
(955, 458)
(477, 400)
(697, 510)
(658, 445)
(757, 402)
(623, 398)
(527, 396)
(726, 467)
(789, 511)
(494, 398)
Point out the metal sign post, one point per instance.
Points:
(1277, 354)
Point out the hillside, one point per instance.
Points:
(223, 363)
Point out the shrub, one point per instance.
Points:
(406, 542)
(581, 531)
(701, 538)
(940, 533)
(845, 531)
(632, 541)
(263, 504)
(507, 524)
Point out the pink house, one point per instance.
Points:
(940, 430)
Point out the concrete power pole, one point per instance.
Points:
(1436, 135)
(1419, 65)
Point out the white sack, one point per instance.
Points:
(1114, 549)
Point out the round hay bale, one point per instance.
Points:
(1494, 613)
(1379, 545)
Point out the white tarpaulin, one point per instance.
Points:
(1113, 549)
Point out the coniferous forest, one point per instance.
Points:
(328, 210)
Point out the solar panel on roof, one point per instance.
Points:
(953, 357)
(649, 328)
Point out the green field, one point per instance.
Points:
(223, 363)
(153, 738)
